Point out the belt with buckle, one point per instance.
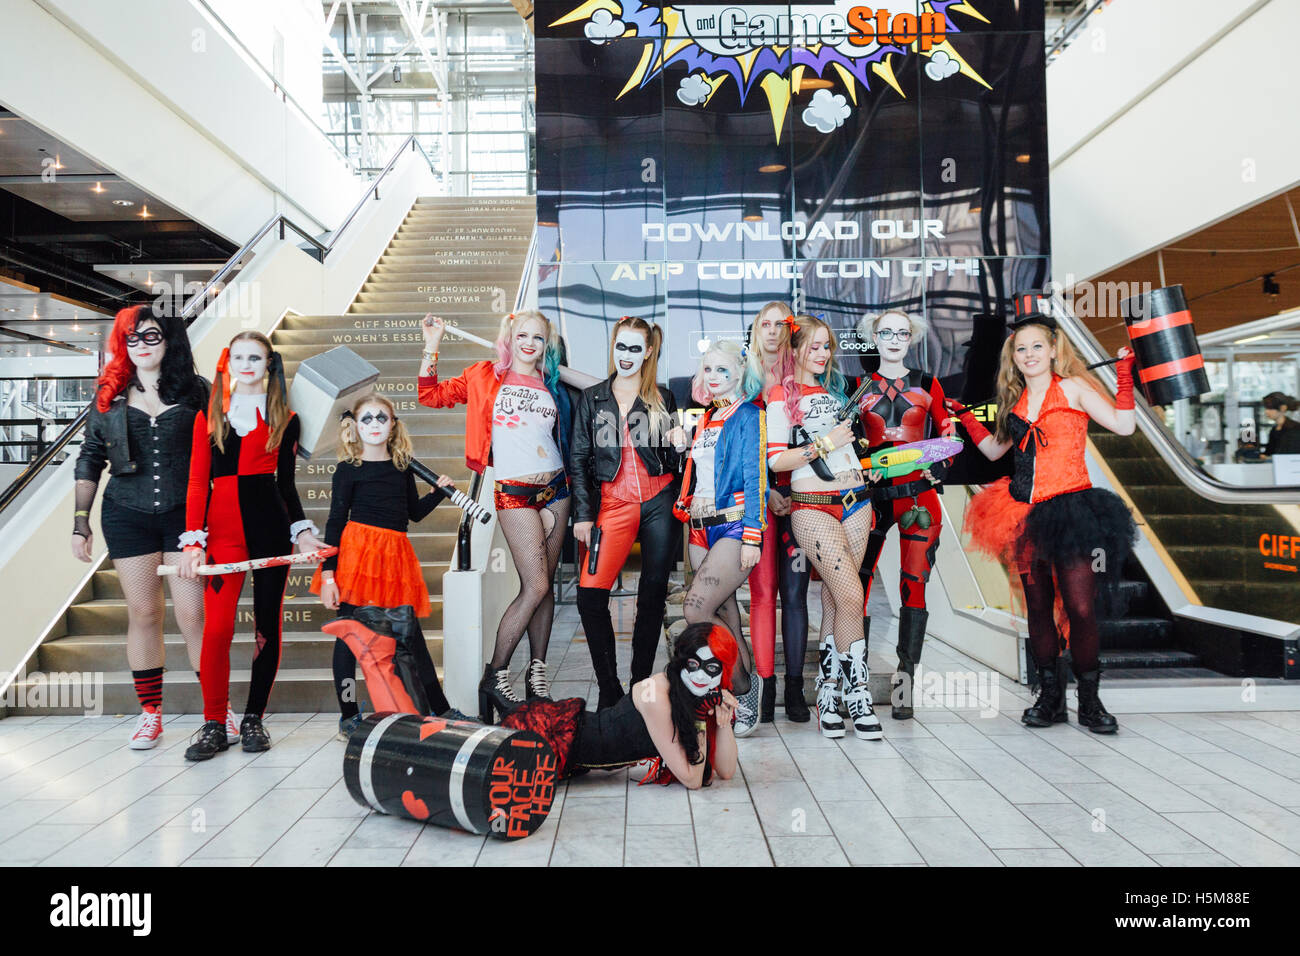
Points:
(847, 498)
(722, 517)
(531, 492)
(883, 493)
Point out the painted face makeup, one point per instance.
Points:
(720, 377)
(702, 674)
(770, 327)
(629, 352)
(145, 345)
(893, 337)
(374, 425)
(529, 342)
(247, 362)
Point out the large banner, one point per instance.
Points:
(696, 161)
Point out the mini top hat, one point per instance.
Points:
(1032, 309)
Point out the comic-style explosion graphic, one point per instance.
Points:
(775, 48)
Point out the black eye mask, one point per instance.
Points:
(378, 417)
(711, 667)
(634, 349)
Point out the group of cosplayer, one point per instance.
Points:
(769, 483)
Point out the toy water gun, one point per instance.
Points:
(912, 457)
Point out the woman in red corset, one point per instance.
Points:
(782, 566)
(1047, 522)
(242, 503)
(902, 405)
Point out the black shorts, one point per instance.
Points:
(130, 533)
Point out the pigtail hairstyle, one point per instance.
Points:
(805, 330)
(755, 369)
(1011, 383)
(648, 391)
(729, 350)
(277, 394)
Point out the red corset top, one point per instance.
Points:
(1050, 449)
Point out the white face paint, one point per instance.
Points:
(247, 364)
(374, 424)
(721, 378)
(629, 352)
(146, 346)
(700, 682)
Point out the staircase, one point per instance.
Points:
(458, 258)
(1216, 547)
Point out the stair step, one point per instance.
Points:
(451, 349)
(1147, 657)
(390, 322)
(450, 263)
(1147, 633)
(301, 612)
(1220, 562)
(1280, 600)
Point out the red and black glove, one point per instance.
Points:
(1124, 382)
(973, 426)
(705, 705)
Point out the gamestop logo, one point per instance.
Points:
(76, 909)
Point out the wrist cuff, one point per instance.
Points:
(194, 539)
(298, 527)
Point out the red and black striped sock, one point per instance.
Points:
(148, 687)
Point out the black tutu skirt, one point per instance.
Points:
(1093, 525)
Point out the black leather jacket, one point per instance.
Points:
(597, 447)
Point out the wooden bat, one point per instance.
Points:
(256, 564)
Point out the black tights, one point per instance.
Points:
(345, 672)
(1077, 585)
(792, 580)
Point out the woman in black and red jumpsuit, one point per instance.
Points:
(242, 503)
(902, 405)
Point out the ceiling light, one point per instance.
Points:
(752, 211)
(773, 161)
(1253, 338)
(1023, 158)
(99, 188)
(144, 212)
(807, 83)
(123, 202)
(57, 163)
(397, 73)
(1271, 288)
(975, 210)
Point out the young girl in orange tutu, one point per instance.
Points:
(372, 498)
(1047, 522)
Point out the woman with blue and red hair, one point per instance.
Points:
(518, 421)
(140, 425)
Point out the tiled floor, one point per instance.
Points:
(1178, 786)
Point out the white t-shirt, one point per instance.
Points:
(703, 454)
(523, 416)
(819, 408)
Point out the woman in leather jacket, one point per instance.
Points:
(624, 479)
(140, 425)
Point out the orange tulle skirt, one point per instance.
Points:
(378, 567)
(995, 522)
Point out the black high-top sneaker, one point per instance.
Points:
(828, 682)
(253, 736)
(857, 693)
(796, 708)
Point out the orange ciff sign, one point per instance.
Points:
(1280, 546)
(868, 26)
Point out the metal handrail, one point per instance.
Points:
(276, 86)
(1066, 31)
(464, 558)
(198, 302)
(1178, 458)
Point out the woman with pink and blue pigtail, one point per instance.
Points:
(724, 502)
(517, 421)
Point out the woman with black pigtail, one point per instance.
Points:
(624, 483)
(242, 503)
(141, 426)
(830, 513)
(782, 566)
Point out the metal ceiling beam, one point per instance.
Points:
(41, 340)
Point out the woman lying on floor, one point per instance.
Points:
(680, 719)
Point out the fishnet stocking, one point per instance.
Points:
(835, 550)
(534, 539)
